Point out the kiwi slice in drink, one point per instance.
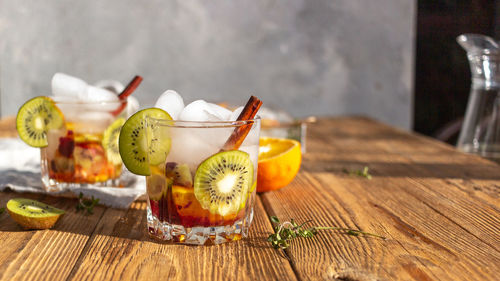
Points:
(31, 214)
(35, 118)
(142, 144)
(179, 173)
(222, 181)
(110, 141)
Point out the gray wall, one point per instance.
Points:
(320, 57)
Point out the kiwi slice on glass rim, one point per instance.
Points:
(110, 141)
(35, 118)
(141, 146)
(31, 214)
(222, 181)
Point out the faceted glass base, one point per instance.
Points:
(51, 185)
(199, 235)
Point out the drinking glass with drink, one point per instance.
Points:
(200, 163)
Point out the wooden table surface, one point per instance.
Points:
(438, 208)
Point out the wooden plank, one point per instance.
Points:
(120, 249)
(421, 241)
(44, 254)
(435, 231)
(331, 255)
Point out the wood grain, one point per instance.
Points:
(120, 249)
(44, 254)
(438, 208)
(435, 229)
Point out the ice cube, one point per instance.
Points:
(100, 99)
(222, 113)
(95, 94)
(66, 85)
(236, 113)
(201, 110)
(171, 102)
(132, 105)
(111, 85)
(198, 110)
(189, 148)
(92, 122)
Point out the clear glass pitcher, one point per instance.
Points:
(480, 132)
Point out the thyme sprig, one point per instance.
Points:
(2, 210)
(286, 231)
(360, 173)
(86, 205)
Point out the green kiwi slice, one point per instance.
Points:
(141, 145)
(31, 214)
(222, 181)
(179, 173)
(35, 118)
(110, 141)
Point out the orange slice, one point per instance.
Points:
(279, 162)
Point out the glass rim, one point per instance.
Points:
(203, 124)
(70, 101)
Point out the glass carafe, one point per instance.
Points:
(480, 132)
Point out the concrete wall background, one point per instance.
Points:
(321, 57)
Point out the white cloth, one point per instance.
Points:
(20, 171)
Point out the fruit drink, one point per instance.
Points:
(76, 157)
(200, 175)
(84, 149)
(77, 130)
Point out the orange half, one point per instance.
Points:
(279, 163)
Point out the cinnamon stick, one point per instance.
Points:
(240, 133)
(132, 85)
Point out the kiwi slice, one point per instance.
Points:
(110, 141)
(138, 148)
(179, 173)
(35, 118)
(31, 214)
(222, 181)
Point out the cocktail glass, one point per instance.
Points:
(84, 151)
(201, 194)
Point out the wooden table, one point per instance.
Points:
(438, 208)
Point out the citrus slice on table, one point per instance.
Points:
(279, 163)
(35, 118)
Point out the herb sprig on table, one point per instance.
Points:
(286, 231)
(2, 210)
(361, 173)
(86, 205)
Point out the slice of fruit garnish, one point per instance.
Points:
(110, 141)
(157, 186)
(138, 148)
(279, 162)
(179, 173)
(35, 118)
(31, 214)
(222, 181)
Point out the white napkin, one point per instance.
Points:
(20, 171)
